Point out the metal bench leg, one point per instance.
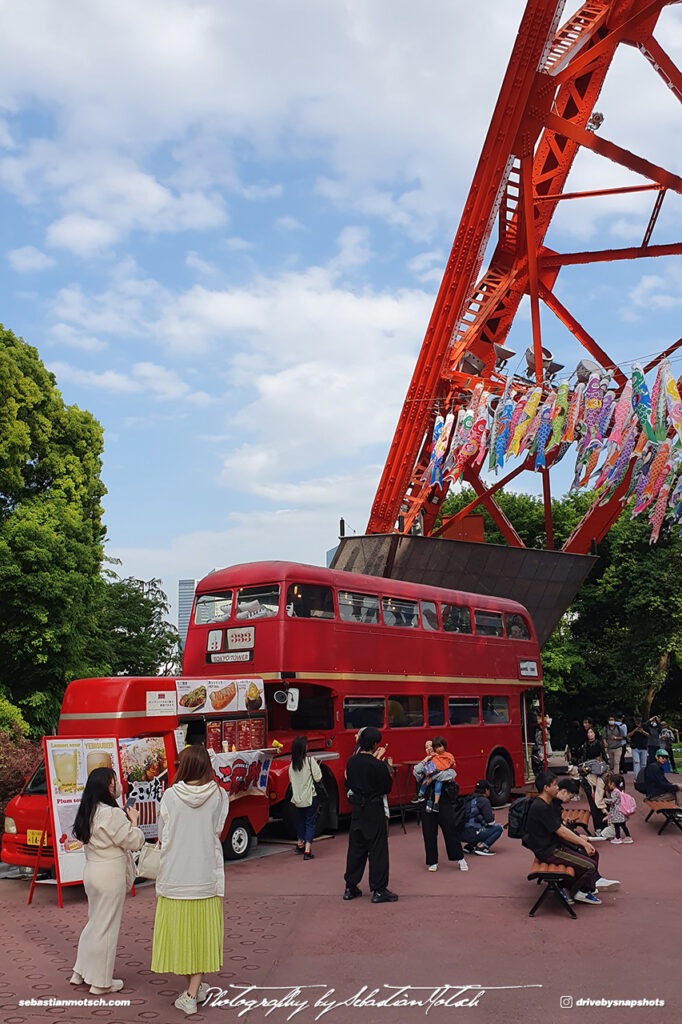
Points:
(665, 824)
(648, 815)
(540, 899)
(567, 906)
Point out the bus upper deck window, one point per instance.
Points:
(259, 602)
(456, 618)
(305, 601)
(488, 623)
(213, 608)
(397, 612)
(429, 615)
(517, 627)
(358, 607)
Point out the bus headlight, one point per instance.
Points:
(11, 826)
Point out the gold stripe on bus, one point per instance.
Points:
(381, 678)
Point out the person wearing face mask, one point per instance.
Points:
(613, 734)
(110, 835)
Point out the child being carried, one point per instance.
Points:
(439, 767)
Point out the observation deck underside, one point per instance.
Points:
(544, 581)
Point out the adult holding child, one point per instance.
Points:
(188, 927)
(449, 819)
(110, 835)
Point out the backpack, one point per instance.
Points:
(627, 804)
(518, 816)
(640, 784)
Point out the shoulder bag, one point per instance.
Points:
(148, 861)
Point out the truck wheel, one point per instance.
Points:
(238, 840)
(499, 775)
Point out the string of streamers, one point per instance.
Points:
(609, 432)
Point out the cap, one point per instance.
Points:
(662, 753)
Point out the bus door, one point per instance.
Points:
(528, 726)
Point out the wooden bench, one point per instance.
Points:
(670, 811)
(554, 877)
(576, 818)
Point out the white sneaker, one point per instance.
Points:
(587, 897)
(607, 883)
(628, 839)
(203, 989)
(187, 1003)
(616, 842)
(76, 979)
(432, 867)
(115, 986)
(463, 866)
(596, 838)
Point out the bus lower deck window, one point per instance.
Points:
(405, 710)
(359, 712)
(435, 711)
(495, 710)
(463, 710)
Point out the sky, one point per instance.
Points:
(223, 226)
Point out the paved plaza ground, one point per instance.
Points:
(286, 927)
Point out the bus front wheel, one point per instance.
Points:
(499, 775)
(237, 841)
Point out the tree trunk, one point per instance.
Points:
(656, 684)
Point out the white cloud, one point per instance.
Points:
(428, 266)
(28, 258)
(236, 244)
(84, 236)
(67, 334)
(6, 140)
(106, 380)
(288, 224)
(659, 291)
(144, 377)
(195, 262)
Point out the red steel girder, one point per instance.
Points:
(558, 99)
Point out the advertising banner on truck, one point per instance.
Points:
(68, 762)
(145, 770)
(219, 695)
(243, 773)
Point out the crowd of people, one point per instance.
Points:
(190, 885)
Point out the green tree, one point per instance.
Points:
(132, 635)
(51, 534)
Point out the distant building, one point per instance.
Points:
(186, 590)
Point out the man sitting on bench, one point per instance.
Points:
(655, 782)
(552, 842)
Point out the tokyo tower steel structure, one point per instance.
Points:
(544, 114)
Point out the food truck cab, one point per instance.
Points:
(153, 718)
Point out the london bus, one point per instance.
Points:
(332, 652)
(338, 651)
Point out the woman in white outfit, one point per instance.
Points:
(188, 927)
(110, 835)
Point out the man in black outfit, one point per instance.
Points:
(369, 780)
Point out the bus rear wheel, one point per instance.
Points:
(238, 840)
(499, 775)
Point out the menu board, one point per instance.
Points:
(68, 763)
(229, 736)
(244, 773)
(208, 696)
(257, 733)
(145, 770)
(244, 734)
(214, 736)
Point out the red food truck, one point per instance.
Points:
(330, 652)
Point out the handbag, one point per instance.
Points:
(149, 861)
(319, 787)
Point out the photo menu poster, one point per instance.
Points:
(211, 696)
(68, 763)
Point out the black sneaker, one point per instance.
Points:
(384, 896)
(352, 892)
(418, 800)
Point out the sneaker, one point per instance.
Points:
(564, 895)
(484, 851)
(463, 866)
(352, 892)
(607, 883)
(299, 849)
(76, 979)
(429, 807)
(203, 991)
(432, 867)
(616, 842)
(384, 896)
(418, 800)
(187, 1003)
(587, 897)
(435, 808)
(468, 847)
(628, 839)
(597, 838)
(116, 986)
(308, 856)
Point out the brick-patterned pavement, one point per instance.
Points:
(286, 925)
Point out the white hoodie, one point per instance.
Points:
(190, 821)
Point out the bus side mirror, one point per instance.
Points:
(292, 699)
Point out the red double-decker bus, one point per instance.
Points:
(338, 651)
